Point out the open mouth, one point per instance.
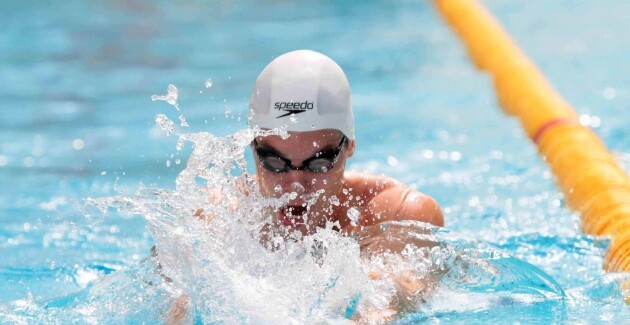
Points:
(292, 215)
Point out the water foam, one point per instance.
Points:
(229, 275)
(207, 234)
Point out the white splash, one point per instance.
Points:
(172, 93)
(213, 243)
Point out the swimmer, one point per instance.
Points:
(308, 94)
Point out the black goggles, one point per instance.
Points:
(320, 163)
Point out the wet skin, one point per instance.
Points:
(376, 198)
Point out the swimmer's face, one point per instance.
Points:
(298, 148)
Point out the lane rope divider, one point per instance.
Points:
(593, 183)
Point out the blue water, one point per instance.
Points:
(78, 122)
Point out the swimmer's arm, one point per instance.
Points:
(215, 196)
(177, 313)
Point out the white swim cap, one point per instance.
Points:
(304, 91)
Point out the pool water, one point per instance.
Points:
(76, 87)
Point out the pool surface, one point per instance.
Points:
(79, 122)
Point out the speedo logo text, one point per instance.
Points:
(293, 107)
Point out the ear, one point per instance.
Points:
(350, 150)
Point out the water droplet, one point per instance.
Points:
(182, 121)
(178, 161)
(334, 200)
(277, 189)
(165, 123)
(595, 121)
(609, 93)
(103, 173)
(208, 83)
(171, 96)
(168, 163)
(588, 120)
(180, 144)
(353, 214)
(392, 161)
(293, 119)
(78, 144)
(297, 187)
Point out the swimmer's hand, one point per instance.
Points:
(394, 238)
(176, 315)
(217, 198)
(410, 291)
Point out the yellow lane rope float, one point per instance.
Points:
(593, 182)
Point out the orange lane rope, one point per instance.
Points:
(593, 182)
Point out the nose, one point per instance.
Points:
(296, 181)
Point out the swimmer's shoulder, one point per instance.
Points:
(393, 199)
(369, 182)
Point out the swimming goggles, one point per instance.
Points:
(320, 163)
